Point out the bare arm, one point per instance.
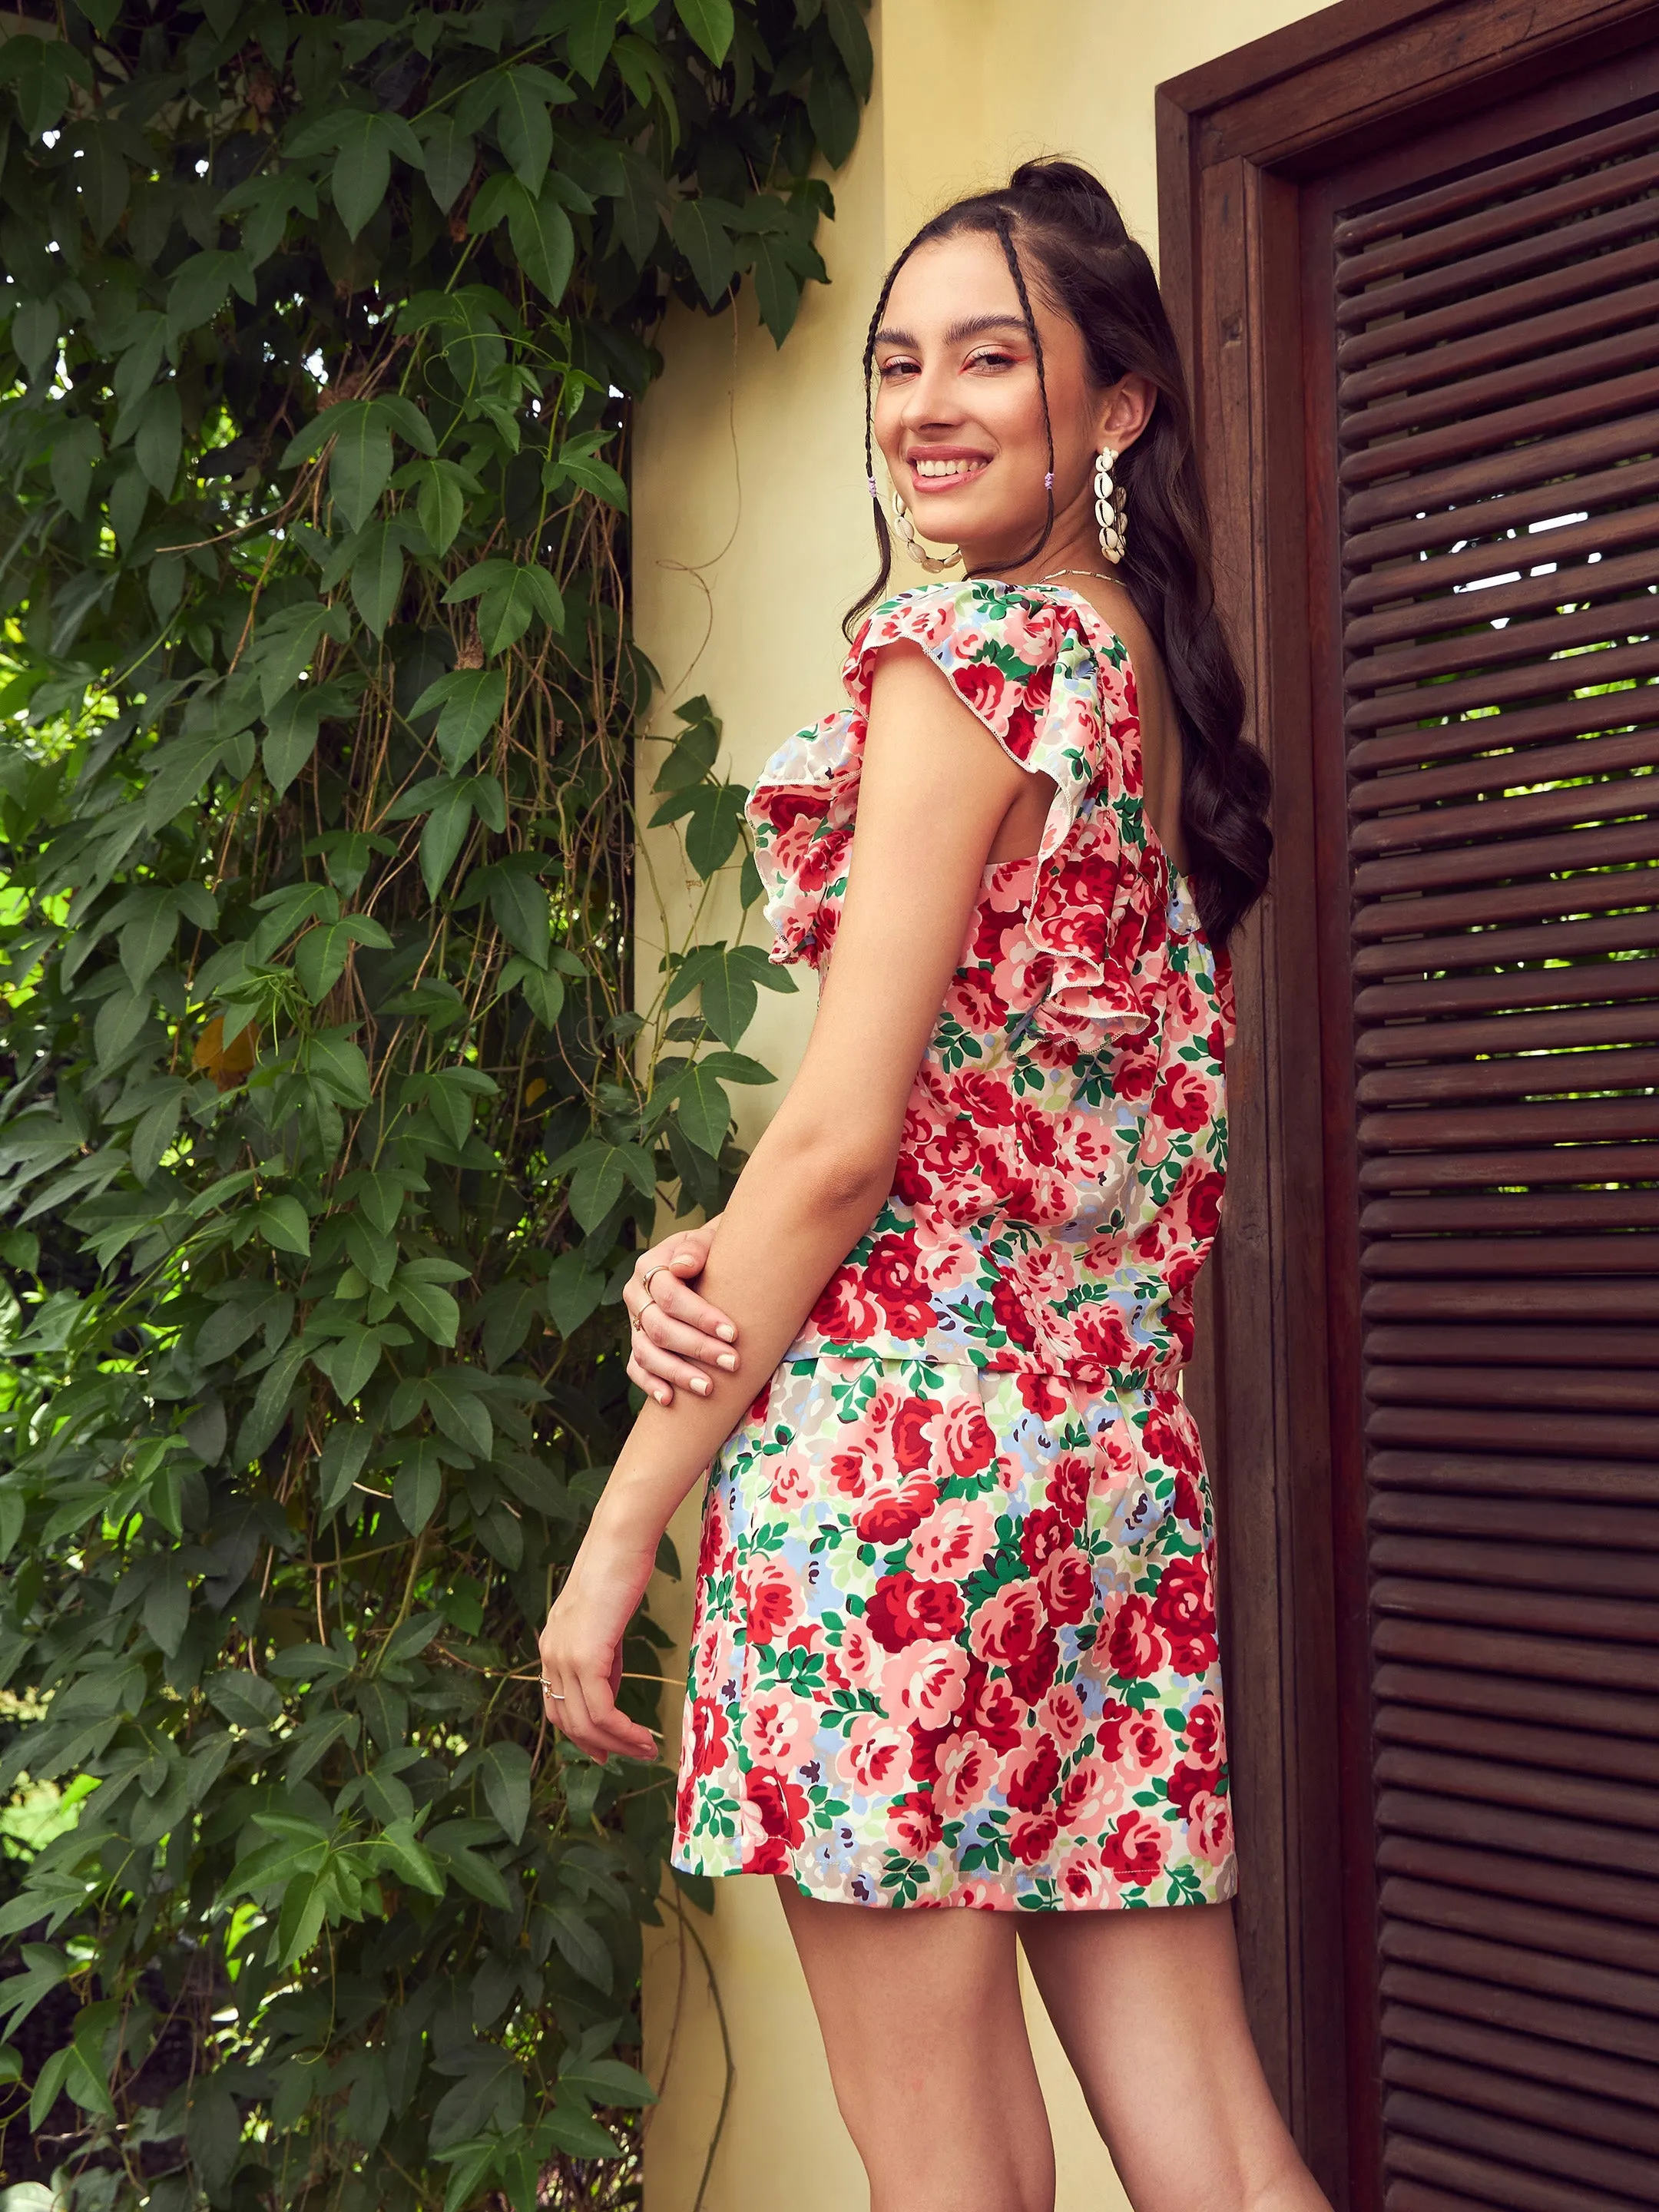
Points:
(935, 786)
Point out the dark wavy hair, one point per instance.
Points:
(1063, 222)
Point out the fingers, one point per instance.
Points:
(585, 1711)
(677, 1353)
(714, 1330)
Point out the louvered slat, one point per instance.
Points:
(1498, 368)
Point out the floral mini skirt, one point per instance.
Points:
(955, 1643)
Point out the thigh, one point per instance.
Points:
(1150, 2008)
(925, 2036)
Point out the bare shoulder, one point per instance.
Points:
(1160, 723)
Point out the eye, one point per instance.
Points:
(990, 357)
(897, 366)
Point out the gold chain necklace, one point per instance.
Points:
(1105, 575)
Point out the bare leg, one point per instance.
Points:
(926, 2038)
(1149, 2007)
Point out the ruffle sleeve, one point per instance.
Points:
(1052, 684)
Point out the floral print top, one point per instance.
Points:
(1064, 1147)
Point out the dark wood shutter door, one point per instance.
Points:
(1497, 404)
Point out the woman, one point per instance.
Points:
(955, 1638)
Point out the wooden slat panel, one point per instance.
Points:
(1594, 982)
(1474, 1736)
(1528, 2059)
(1490, 1781)
(1548, 2100)
(1501, 313)
(1555, 363)
(1467, 281)
(1490, 1475)
(1615, 1435)
(1496, 2183)
(1448, 1641)
(1488, 1873)
(1442, 740)
(1633, 1951)
(1604, 533)
(1503, 1384)
(1492, 181)
(1524, 2010)
(1503, 771)
(1591, 400)
(1527, 2145)
(1571, 1120)
(1497, 481)
(1607, 800)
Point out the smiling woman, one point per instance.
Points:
(955, 1642)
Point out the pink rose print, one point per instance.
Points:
(774, 1600)
(1134, 1645)
(966, 1767)
(778, 1728)
(1008, 1624)
(923, 1684)
(1210, 1827)
(876, 1756)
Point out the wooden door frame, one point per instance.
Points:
(1275, 1384)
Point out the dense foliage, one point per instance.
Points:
(328, 1126)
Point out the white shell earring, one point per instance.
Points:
(1111, 507)
(907, 530)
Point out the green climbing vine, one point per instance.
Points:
(328, 1124)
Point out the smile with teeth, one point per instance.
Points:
(925, 468)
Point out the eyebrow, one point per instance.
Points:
(976, 326)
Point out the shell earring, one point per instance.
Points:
(1111, 507)
(913, 544)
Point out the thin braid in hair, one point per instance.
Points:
(884, 537)
(1006, 234)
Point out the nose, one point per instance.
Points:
(929, 400)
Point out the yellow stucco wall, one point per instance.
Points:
(751, 535)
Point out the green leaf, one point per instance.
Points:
(283, 1225)
(710, 23)
(450, 156)
(76, 447)
(363, 170)
(472, 701)
(377, 573)
(441, 503)
(431, 1309)
(344, 1454)
(418, 1484)
(593, 28)
(158, 436)
(573, 1292)
(444, 833)
(543, 241)
(582, 1946)
(361, 468)
(707, 245)
(166, 1605)
(460, 1414)
(704, 1109)
(522, 125)
(213, 2128)
(505, 1769)
(290, 738)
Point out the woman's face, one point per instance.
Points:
(958, 411)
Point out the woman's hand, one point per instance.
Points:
(675, 1334)
(581, 1649)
